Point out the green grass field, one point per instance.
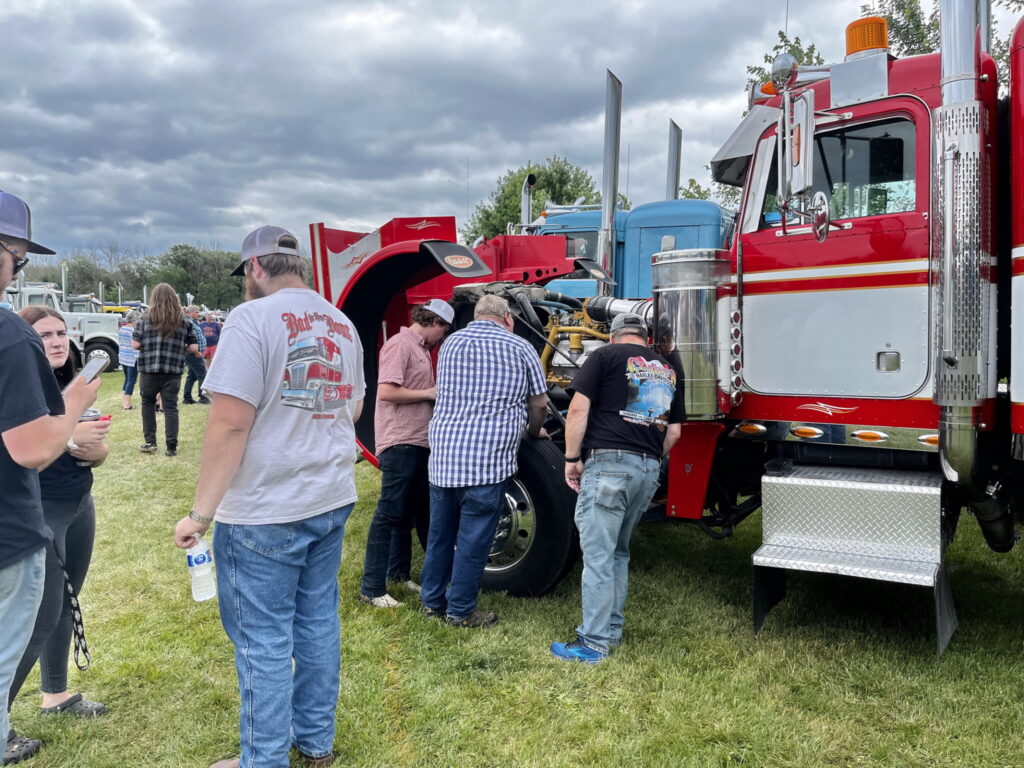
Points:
(844, 673)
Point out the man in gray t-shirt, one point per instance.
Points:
(277, 473)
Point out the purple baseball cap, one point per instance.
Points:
(16, 221)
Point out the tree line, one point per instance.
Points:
(203, 272)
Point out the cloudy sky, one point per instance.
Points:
(154, 122)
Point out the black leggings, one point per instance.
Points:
(73, 522)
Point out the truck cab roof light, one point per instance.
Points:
(867, 34)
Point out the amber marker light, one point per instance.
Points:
(931, 440)
(768, 89)
(749, 428)
(869, 33)
(870, 436)
(807, 432)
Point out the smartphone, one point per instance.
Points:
(92, 369)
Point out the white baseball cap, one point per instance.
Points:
(441, 308)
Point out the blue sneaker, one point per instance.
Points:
(577, 651)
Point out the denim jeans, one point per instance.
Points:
(403, 485)
(616, 489)
(278, 586)
(21, 589)
(131, 374)
(462, 525)
(196, 375)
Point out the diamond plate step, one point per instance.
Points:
(863, 567)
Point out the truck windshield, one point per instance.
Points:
(864, 170)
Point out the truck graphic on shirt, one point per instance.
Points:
(313, 377)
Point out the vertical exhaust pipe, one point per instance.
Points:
(610, 179)
(962, 240)
(675, 151)
(526, 200)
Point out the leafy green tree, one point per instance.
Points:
(206, 274)
(804, 54)
(558, 180)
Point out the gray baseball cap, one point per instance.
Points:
(629, 321)
(16, 221)
(267, 241)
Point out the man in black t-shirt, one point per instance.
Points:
(35, 426)
(624, 416)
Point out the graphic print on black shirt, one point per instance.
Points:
(650, 385)
(634, 395)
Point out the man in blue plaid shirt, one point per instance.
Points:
(490, 387)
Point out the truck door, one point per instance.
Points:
(848, 317)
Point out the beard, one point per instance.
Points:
(252, 289)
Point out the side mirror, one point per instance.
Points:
(796, 146)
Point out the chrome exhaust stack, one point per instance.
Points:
(675, 151)
(961, 247)
(610, 180)
(526, 201)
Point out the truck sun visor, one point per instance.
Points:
(729, 165)
(457, 260)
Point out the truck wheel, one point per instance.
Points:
(103, 349)
(536, 542)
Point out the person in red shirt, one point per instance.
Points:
(405, 402)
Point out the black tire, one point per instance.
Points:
(537, 545)
(102, 349)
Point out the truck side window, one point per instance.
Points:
(864, 170)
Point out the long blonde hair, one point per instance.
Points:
(165, 314)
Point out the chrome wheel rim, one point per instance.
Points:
(516, 531)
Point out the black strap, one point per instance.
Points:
(81, 647)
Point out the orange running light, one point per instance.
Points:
(752, 429)
(867, 34)
(809, 432)
(932, 440)
(870, 436)
(768, 89)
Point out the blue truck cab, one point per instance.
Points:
(638, 234)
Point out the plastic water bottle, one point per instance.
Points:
(200, 568)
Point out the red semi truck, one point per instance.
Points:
(853, 352)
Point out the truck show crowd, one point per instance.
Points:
(277, 475)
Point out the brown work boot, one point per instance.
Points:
(316, 762)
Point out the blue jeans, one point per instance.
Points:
(21, 589)
(131, 374)
(196, 375)
(462, 525)
(278, 586)
(389, 542)
(616, 489)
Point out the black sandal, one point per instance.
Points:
(19, 748)
(76, 705)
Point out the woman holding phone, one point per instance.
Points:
(65, 487)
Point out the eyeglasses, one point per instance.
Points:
(20, 259)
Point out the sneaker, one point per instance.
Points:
(187, 401)
(430, 613)
(19, 748)
(577, 651)
(477, 619)
(204, 400)
(412, 586)
(381, 601)
(147, 448)
(172, 452)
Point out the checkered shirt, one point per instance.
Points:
(199, 335)
(162, 354)
(484, 376)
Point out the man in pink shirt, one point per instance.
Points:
(405, 401)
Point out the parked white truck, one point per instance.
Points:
(93, 332)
